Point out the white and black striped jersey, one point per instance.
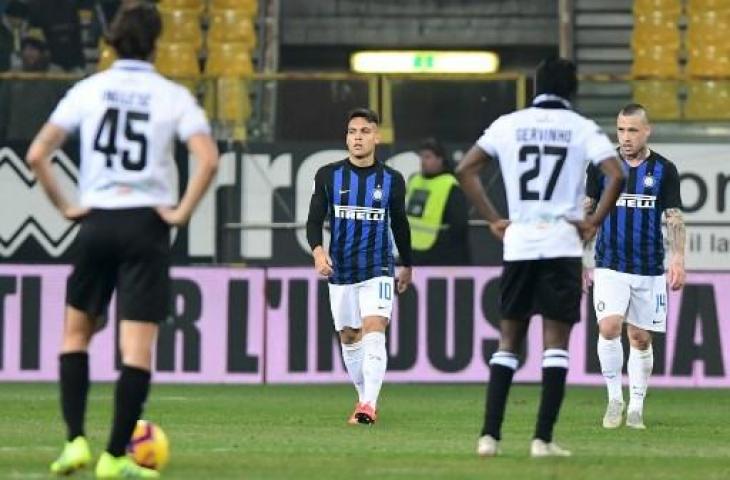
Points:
(543, 152)
(129, 117)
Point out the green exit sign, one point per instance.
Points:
(423, 62)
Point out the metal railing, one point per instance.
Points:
(318, 101)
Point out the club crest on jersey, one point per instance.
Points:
(378, 193)
(648, 181)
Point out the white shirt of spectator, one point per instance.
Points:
(128, 117)
(543, 154)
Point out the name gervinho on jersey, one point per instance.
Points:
(632, 200)
(359, 213)
(543, 135)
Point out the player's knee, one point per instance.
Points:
(610, 327)
(349, 335)
(640, 339)
(137, 357)
(374, 324)
(76, 337)
(75, 341)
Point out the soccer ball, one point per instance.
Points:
(149, 446)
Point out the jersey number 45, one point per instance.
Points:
(105, 140)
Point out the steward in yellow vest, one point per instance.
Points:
(437, 211)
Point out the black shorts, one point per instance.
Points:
(550, 287)
(127, 250)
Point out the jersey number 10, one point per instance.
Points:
(106, 137)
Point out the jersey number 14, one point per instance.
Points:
(105, 140)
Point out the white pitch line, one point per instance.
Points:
(27, 475)
(26, 448)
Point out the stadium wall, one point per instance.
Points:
(273, 325)
(271, 183)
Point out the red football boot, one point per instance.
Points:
(366, 414)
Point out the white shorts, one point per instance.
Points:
(351, 303)
(640, 299)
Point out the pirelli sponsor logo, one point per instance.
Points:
(632, 200)
(360, 213)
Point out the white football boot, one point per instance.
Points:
(488, 446)
(614, 413)
(541, 448)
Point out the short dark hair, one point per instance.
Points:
(134, 30)
(362, 112)
(433, 145)
(634, 109)
(556, 76)
(32, 42)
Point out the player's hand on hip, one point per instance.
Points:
(75, 213)
(322, 262)
(586, 229)
(676, 275)
(403, 280)
(499, 227)
(587, 279)
(172, 216)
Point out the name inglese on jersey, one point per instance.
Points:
(632, 200)
(360, 213)
(128, 99)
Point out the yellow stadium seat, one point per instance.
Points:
(231, 26)
(233, 104)
(177, 60)
(107, 56)
(655, 29)
(661, 98)
(181, 26)
(194, 5)
(708, 100)
(696, 6)
(667, 7)
(249, 7)
(655, 61)
(669, 38)
(708, 61)
(710, 26)
(229, 59)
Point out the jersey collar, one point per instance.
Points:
(649, 153)
(548, 100)
(128, 64)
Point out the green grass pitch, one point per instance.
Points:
(424, 432)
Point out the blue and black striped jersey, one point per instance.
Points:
(363, 204)
(630, 238)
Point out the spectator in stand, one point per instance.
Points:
(25, 103)
(437, 211)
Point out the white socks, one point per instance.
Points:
(352, 354)
(374, 364)
(641, 362)
(611, 356)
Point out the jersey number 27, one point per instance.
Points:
(533, 151)
(105, 140)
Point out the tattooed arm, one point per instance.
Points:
(589, 206)
(676, 236)
(589, 260)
